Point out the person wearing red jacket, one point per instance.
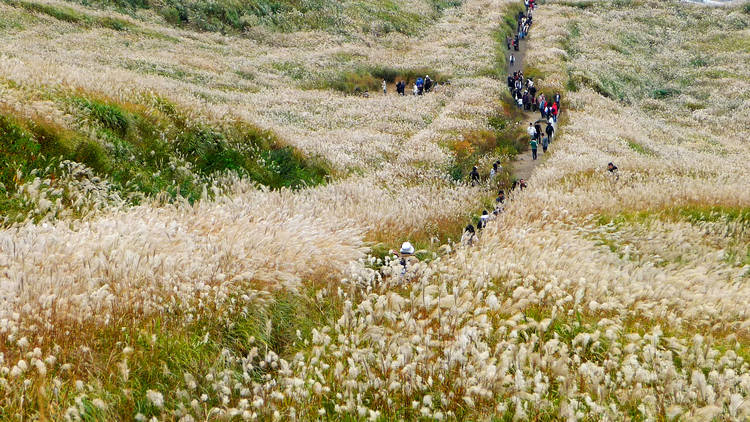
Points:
(554, 111)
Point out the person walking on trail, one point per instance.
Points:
(384, 86)
(550, 130)
(512, 59)
(415, 90)
(420, 85)
(538, 129)
(474, 176)
(531, 131)
(545, 144)
(427, 83)
(533, 145)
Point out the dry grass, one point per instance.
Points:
(588, 299)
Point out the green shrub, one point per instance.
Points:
(108, 115)
(664, 93)
(93, 155)
(18, 153)
(148, 150)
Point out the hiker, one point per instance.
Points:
(538, 129)
(515, 43)
(550, 130)
(557, 99)
(483, 220)
(407, 255)
(420, 86)
(511, 83)
(522, 184)
(507, 42)
(427, 83)
(474, 176)
(512, 59)
(416, 89)
(533, 145)
(493, 171)
(500, 197)
(545, 144)
(531, 131)
(468, 236)
(384, 86)
(554, 111)
(612, 169)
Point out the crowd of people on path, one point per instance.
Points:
(421, 86)
(542, 131)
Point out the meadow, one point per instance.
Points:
(196, 219)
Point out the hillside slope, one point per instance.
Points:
(593, 296)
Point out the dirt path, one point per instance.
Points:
(523, 165)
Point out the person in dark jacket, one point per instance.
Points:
(474, 176)
(549, 130)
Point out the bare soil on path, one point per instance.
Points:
(524, 164)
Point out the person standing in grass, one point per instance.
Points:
(468, 236)
(483, 220)
(533, 145)
(385, 87)
(474, 176)
(612, 169)
(500, 197)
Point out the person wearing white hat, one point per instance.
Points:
(407, 255)
(407, 249)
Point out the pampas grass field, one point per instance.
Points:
(197, 213)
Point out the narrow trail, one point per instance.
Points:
(523, 164)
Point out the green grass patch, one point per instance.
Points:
(68, 14)
(236, 16)
(639, 148)
(506, 28)
(690, 213)
(504, 138)
(662, 93)
(143, 151)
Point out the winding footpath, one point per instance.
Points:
(523, 164)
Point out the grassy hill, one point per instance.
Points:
(238, 16)
(201, 270)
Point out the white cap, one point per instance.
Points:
(407, 248)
